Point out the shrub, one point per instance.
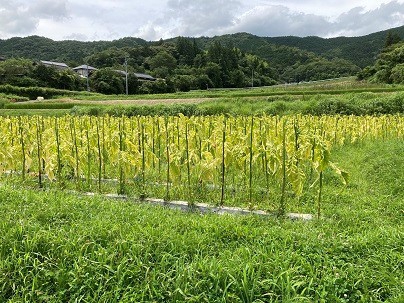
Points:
(37, 105)
(33, 92)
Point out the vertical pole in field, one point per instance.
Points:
(121, 190)
(167, 197)
(283, 196)
(320, 190)
(22, 147)
(313, 151)
(143, 194)
(104, 150)
(265, 159)
(39, 143)
(158, 145)
(76, 151)
(336, 130)
(153, 143)
(88, 125)
(223, 161)
(42, 131)
(245, 123)
(187, 153)
(251, 160)
(276, 126)
(297, 133)
(57, 136)
(99, 154)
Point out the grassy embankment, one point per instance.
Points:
(339, 95)
(57, 247)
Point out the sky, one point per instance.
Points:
(155, 19)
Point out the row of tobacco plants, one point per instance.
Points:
(223, 160)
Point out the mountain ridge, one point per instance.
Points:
(360, 50)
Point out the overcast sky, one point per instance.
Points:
(154, 19)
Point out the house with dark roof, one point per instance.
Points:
(122, 72)
(144, 77)
(139, 76)
(58, 65)
(84, 70)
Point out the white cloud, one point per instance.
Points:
(23, 17)
(358, 21)
(155, 19)
(15, 18)
(277, 20)
(186, 18)
(52, 9)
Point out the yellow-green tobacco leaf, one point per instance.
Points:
(343, 174)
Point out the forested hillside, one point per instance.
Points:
(68, 51)
(361, 50)
(389, 67)
(235, 60)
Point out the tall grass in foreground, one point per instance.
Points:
(57, 247)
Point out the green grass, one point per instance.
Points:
(364, 103)
(58, 247)
(343, 96)
(33, 112)
(335, 87)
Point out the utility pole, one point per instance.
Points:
(88, 86)
(126, 74)
(252, 77)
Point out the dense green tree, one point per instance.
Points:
(397, 74)
(366, 73)
(107, 81)
(237, 78)
(187, 50)
(213, 71)
(159, 86)
(200, 60)
(163, 61)
(184, 83)
(67, 79)
(133, 84)
(12, 70)
(46, 76)
(391, 38)
(320, 69)
(112, 57)
(202, 81)
(24, 81)
(388, 67)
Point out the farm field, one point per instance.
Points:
(335, 153)
(341, 96)
(59, 247)
(252, 161)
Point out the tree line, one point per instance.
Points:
(178, 66)
(389, 66)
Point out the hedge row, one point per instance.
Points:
(389, 105)
(137, 110)
(38, 105)
(323, 105)
(35, 92)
